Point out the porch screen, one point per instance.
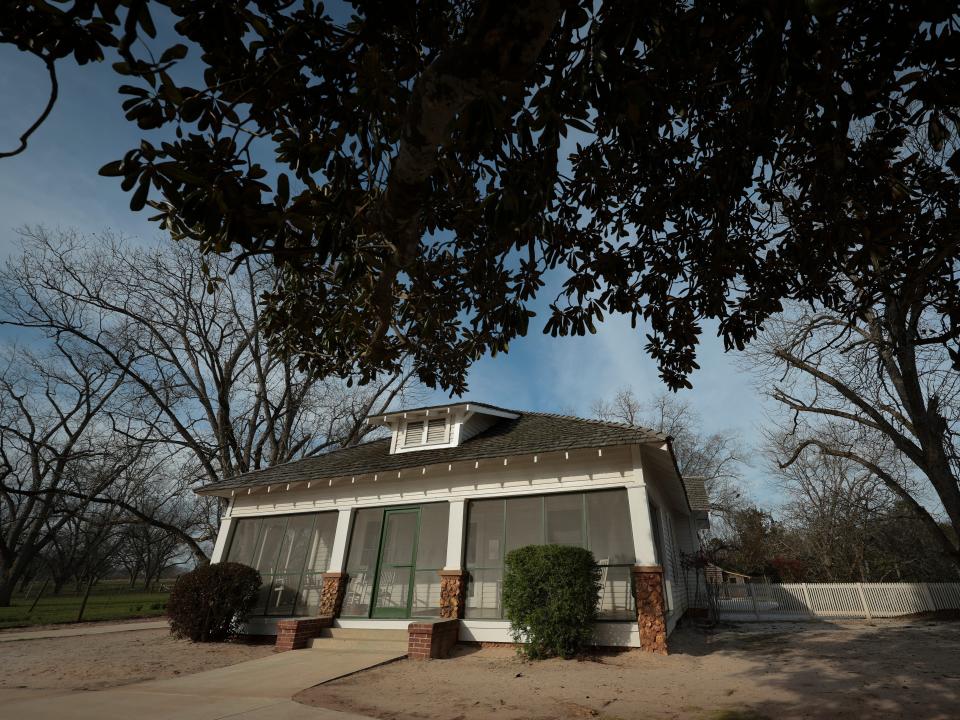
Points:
(430, 555)
(291, 552)
(362, 561)
(598, 521)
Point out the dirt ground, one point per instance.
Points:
(92, 662)
(747, 672)
(79, 626)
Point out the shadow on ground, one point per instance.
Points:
(834, 670)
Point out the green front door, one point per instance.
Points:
(393, 592)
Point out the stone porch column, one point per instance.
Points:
(651, 608)
(647, 574)
(335, 579)
(453, 578)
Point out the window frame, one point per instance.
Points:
(384, 509)
(271, 578)
(401, 445)
(585, 534)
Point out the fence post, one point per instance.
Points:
(37, 598)
(863, 599)
(83, 605)
(806, 599)
(928, 596)
(753, 597)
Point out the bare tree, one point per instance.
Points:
(715, 457)
(192, 354)
(53, 452)
(881, 392)
(832, 505)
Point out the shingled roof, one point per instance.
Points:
(696, 493)
(531, 432)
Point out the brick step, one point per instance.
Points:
(376, 634)
(353, 645)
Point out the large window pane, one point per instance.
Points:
(524, 522)
(308, 599)
(657, 533)
(432, 545)
(616, 595)
(321, 542)
(399, 538)
(483, 594)
(564, 519)
(485, 534)
(283, 548)
(362, 561)
(426, 593)
(283, 594)
(393, 588)
(599, 521)
(268, 548)
(610, 534)
(263, 597)
(244, 540)
(296, 542)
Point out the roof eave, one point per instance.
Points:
(233, 489)
(440, 411)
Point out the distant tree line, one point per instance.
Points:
(839, 522)
(132, 380)
(889, 546)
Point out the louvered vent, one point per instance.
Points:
(436, 432)
(413, 435)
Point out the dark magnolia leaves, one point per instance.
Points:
(672, 161)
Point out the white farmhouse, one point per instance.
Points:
(413, 528)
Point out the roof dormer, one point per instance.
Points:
(439, 426)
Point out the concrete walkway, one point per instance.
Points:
(258, 689)
(75, 631)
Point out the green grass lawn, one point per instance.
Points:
(106, 602)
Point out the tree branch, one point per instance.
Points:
(51, 101)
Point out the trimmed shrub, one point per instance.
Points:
(209, 604)
(550, 595)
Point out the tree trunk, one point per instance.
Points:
(6, 592)
(11, 574)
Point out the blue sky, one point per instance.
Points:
(55, 183)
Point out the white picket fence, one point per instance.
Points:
(805, 601)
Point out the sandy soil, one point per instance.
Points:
(82, 625)
(746, 672)
(97, 661)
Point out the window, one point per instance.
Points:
(599, 521)
(431, 556)
(484, 560)
(363, 558)
(291, 552)
(426, 432)
(659, 553)
(362, 561)
(413, 435)
(436, 432)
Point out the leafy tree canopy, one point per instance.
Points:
(430, 163)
